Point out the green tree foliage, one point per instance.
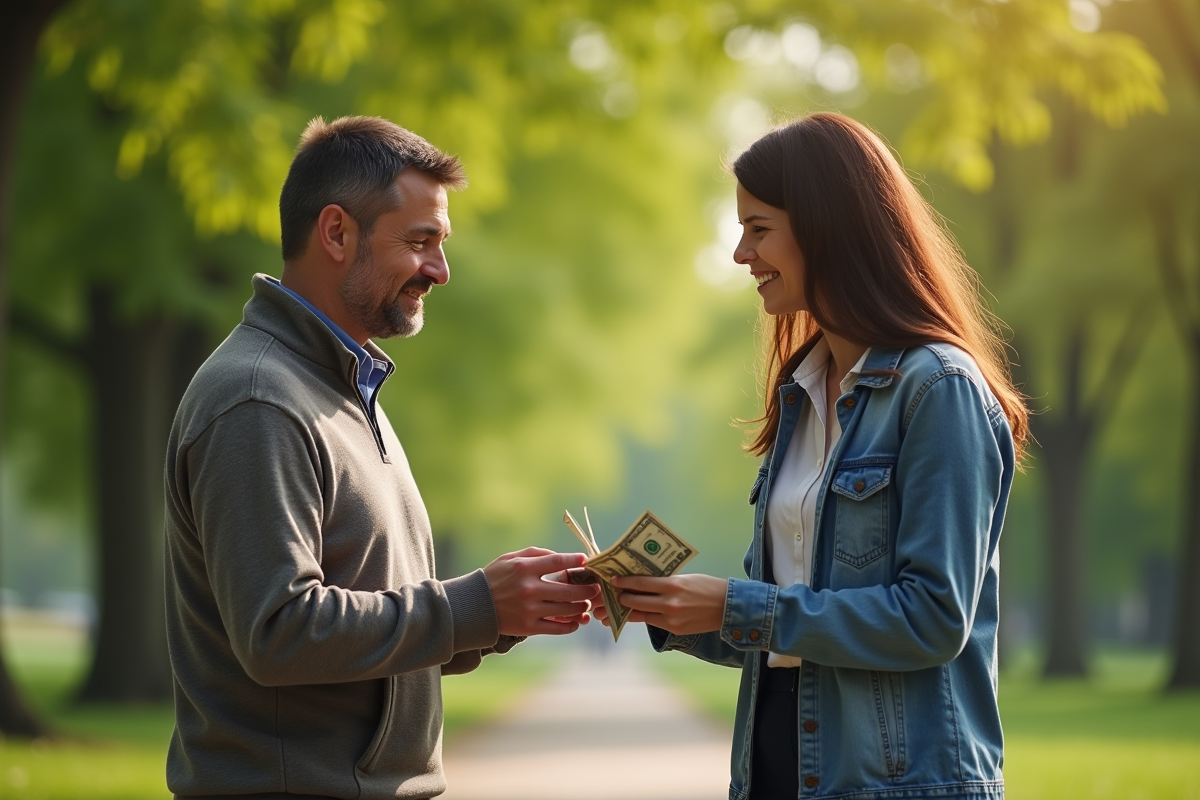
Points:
(963, 87)
(1070, 240)
(1157, 173)
(1102, 279)
(982, 69)
(574, 311)
(563, 261)
(17, 47)
(130, 271)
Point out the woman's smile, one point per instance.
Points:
(768, 247)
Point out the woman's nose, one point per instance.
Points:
(744, 253)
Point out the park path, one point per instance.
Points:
(604, 726)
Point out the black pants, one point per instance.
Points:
(775, 769)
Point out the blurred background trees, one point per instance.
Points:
(597, 338)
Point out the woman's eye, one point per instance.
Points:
(758, 229)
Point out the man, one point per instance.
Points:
(308, 634)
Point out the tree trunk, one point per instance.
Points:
(190, 346)
(1066, 607)
(1179, 280)
(23, 24)
(1067, 439)
(128, 368)
(1186, 671)
(1005, 243)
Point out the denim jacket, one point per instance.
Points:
(897, 629)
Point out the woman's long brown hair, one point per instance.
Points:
(880, 270)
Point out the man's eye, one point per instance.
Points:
(419, 244)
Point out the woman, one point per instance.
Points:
(866, 632)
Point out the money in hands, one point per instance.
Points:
(648, 548)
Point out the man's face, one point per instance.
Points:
(401, 260)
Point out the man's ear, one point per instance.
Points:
(337, 233)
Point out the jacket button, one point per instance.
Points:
(737, 636)
(754, 636)
(859, 486)
(850, 402)
(790, 399)
(810, 726)
(811, 781)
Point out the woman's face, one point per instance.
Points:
(770, 250)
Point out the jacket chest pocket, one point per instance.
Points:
(861, 524)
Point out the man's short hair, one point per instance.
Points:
(353, 162)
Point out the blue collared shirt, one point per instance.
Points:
(371, 371)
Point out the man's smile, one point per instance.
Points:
(417, 287)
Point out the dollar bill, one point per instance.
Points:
(649, 548)
(588, 545)
(617, 613)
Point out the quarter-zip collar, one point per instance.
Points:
(300, 327)
(372, 372)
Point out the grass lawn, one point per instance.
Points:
(1116, 735)
(119, 752)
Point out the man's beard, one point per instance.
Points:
(365, 293)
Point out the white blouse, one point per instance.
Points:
(792, 506)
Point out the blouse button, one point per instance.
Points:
(790, 399)
(754, 636)
(737, 635)
(850, 402)
(810, 726)
(859, 486)
(811, 781)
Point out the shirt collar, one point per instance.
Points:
(371, 372)
(815, 362)
(812, 369)
(852, 376)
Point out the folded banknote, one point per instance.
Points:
(649, 548)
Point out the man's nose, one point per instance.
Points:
(436, 268)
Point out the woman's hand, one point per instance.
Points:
(681, 604)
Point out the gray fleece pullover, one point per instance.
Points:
(307, 632)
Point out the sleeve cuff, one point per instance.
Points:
(473, 610)
(663, 641)
(506, 643)
(749, 614)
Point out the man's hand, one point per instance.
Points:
(600, 613)
(681, 604)
(527, 603)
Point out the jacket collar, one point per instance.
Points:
(276, 312)
(880, 368)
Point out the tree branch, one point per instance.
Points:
(1073, 390)
(1117, 373)
(1170, 269)
(37, 331)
